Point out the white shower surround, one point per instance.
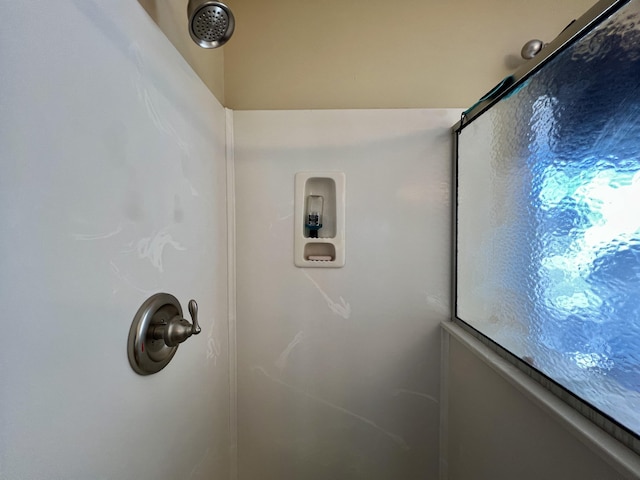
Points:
(113, 186)
(338, 369)
(117, 181)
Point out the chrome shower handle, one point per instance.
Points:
(177, 329)
(193, 311)
(157, 329)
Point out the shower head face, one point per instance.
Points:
(211, 24)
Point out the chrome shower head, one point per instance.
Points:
(211, 23)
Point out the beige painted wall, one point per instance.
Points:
(298, 54)
(307, 54)
(171, 17)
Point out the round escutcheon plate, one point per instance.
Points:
(146, 354)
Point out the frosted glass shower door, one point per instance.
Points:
(548, 220)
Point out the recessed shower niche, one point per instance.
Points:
(319, 219)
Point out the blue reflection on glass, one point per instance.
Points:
(556, 256)
(584, 147)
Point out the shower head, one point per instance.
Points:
(210, 23)
(531, 49)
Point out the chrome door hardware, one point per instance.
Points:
(157, 329)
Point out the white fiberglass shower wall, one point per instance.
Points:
(112, 187)
(338, 368)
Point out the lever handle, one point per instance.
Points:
(177, 329)
(193, 311)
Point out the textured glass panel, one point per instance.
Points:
(549, 219)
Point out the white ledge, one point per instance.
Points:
(624, 460)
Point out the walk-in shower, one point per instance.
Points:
(211, 24)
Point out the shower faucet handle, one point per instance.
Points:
(178, 329)
(157, 329)
(193, 311)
